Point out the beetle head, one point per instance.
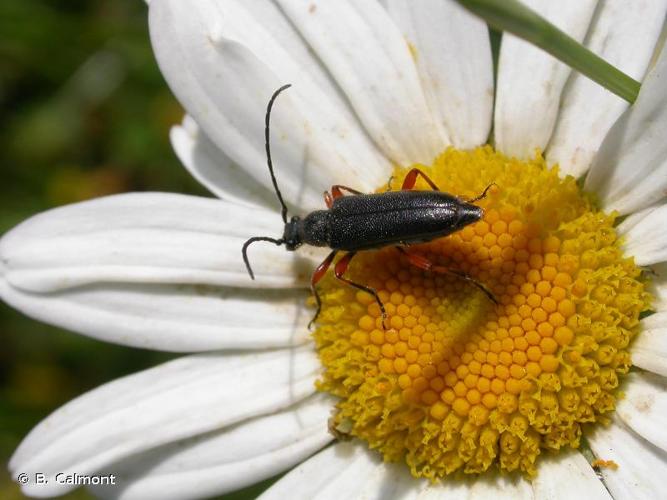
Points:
(467, 213)
(291, 235)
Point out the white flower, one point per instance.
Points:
(164, 271)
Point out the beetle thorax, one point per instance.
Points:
(315, 229)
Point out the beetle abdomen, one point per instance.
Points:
(363, 222)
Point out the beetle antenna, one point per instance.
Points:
(268, 153)
(253, 240)
(483, 195)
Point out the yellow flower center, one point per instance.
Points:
(456, 382)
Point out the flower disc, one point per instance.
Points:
(457, 382)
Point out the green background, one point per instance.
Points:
(84, 112)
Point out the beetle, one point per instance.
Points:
(360, 221)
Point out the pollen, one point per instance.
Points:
(452, 382)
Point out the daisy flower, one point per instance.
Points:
(457, 393)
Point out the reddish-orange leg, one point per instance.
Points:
(411, 179)
(318, 274)
(423, 263)
(337, 192)
(339, 271)
(408, 183)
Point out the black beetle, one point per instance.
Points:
(370, 221)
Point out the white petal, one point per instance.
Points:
(370, 60)
(452, 52)
(176, 318)
(335, 472)
(350, 471)
(501, 487)
(658, 286)
(148, 238)
(214, 170)
(174, 401)
(624, 38)
(636, 218)
(530, 81)
(362, 475)
(224, 60)
(645, 235)
(644, 407)
(649, 350)
(567, 475)
(454, 489)
(226, 460)
(630, 171)
(641, 466)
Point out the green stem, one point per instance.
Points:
(516, 18)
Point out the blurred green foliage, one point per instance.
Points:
(84, 112)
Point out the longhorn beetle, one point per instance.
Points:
(369, 221)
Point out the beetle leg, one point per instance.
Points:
(411, 179)
(318, 274)
(423, 263)
(483, 195)
(339, 271)
(337, 193)
(328, 199)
